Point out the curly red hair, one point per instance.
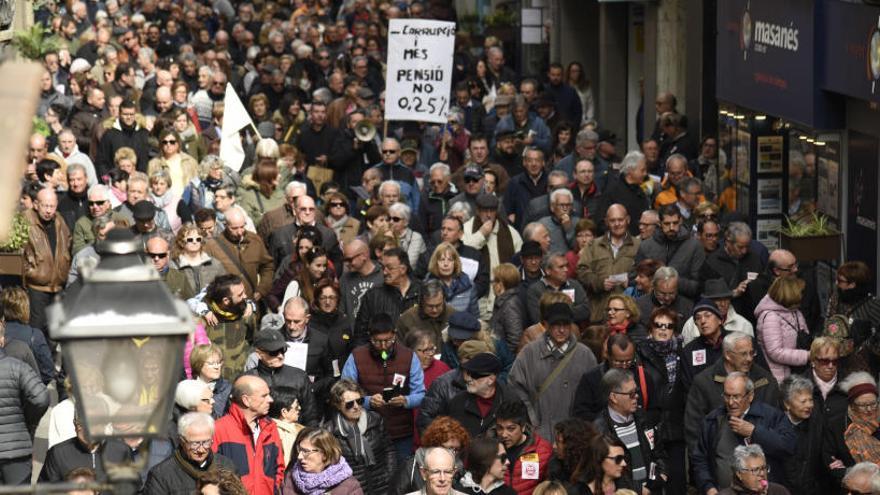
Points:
(443, 429)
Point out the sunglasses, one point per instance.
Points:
(396, 219)
(97, 203)
(169, 141)
(389, 152)
(193, 239)
(826, 362)
(352, 403)
(471, 180)
(336, 205)
(618, 459)
(275, 353)
(664, 326)
(160, 256)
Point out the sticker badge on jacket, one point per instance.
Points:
(699, 357)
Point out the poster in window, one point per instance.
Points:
(769, 196)
(768, 232)
(742, 152)
(770, 154)
(829, 180)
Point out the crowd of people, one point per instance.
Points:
(503, 304)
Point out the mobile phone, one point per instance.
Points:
(388, 394)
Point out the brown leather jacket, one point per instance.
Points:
(43, 270)
(250, 254)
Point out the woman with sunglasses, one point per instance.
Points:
(362, 437)
(622, 316)
(190, 258)
(337, 218)
(659, 354)
(181, 167)
(409, 240)
(487, 464)
(320, 467)
(606, 471)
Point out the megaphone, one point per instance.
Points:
(364, 131)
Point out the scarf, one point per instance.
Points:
(354, 436)
(161, 201)
(860, 440)
(504, 243)
(337, 225)
(854, 295)
(212, 184)
(824, 387)
(320, 483)
(191, 469)
(668, 350)
(618, 328)
(222, 313)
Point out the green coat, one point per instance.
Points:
(234, 338)
(255, 204)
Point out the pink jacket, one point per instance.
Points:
(199, 337)
(777, 336)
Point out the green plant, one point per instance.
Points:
(35, 42)
(501, 18)
(814, 225)
(18, 235)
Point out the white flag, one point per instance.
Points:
(235, 118)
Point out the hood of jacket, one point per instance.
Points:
(248, 182)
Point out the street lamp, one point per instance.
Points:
(122, 336)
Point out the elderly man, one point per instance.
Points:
(472, 179)
(605, 265)
(280, 243)
(69, 150)
(248, 437)
(864, 477)
(360, 274)
(436, 197)
(627, 189)
(524, 187)
(530, 130)
(645, 456)
(159, 252)
(551, 402)
(73, 203)
(676, 171)
(46, 256)
(665, 294)
(674, 247)
(689, 194)
(242, 253)
(540, 207)
(705, 394)
(717, 292)
(648, 223)
(740, 421)
(99, 205)
(181, 472)
(480, 374)
(431, 313)
(591, 399)
(392, 378)
(138, 184)
(284, 214)
(438, 473)
(556, 279)
(560, 222)
(704, 349)
(392, 169)
(487, 230)
(585, 144)
(736, 262)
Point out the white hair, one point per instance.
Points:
(99, 189)
(865, 469)
(442, 167)
(267, 148)
(191, 419)
(631, 162)
(730, 340)
(560, 192)
(389, 183)
(743, 452)
(288, 189)
(400, 209)
(189, 393)
(857, 378)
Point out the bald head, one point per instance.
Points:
(235, 223)
(357, 256)
(157, 250)
(784, 262)
(616, 209)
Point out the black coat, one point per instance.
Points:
(438, 395)
(71, 454)
(375, 477)
(337, 327)
(804, 469)
(383, 299)
(720, 265)
(349, 163)
(34, 339)
(463, 408)
(651, 449)
(670, 395)
(71, 207)
(433, 208)
(315, 143)
(590, 401)
(294, 380)
(631, 196)
(115, 138)
(169, 478)
(23, 401)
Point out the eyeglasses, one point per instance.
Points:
(193, 239)
(97, 203)
(736, 398)
(865, 406)
(791, 268)
(440, 473)
(214, 364)
(502, 458)
(389, 152)
(618, 459)
(614, 310)
(826, 362)
(169, 141)
(159, 256)
(756, 471)
(307, 452)
(664, 326)
(204, 444)
(631, 394)
(306, 208)
(427, 350)
(396, 219)
(349, 405)
(335, 204)
(744, 354)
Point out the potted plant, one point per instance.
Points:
(811, 238)
(11, 248)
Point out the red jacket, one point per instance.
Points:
(260, 466)
(536, 450)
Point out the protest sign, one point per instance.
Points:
(419, 74)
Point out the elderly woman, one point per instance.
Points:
(181, 167)
(284, 412)
(337, 217)
(164, 198)
(442, 432)
(445, 266)
(319, 467)
(488, 467)
(508, 311)
(362, 437)
(804, 469)
(782, 330)
(584, 233)
(191, 396)
(859, 436)
(830, 401)
(750, 472)
(643, 284)
(207, 365)
(622, 316)
(190, 258)
(410, 240)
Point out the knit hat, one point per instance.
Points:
(707, 305)
(861, 389)
(462, 325)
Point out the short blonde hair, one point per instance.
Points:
(787, 291)
(201, 354)
(507, 274)
(322, 440)
(442, 249)
(124, 153)
(820, 343)
(630, 305)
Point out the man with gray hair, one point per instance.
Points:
(864, 477)
(705, 394)
(436, 197)
(737, 262)
(180, 472)
(556, 279)
(69, 150)
(740, 422)
(585, 144)
(561, 220)
(539, 207)
(438, 472)
(665, 294)
(99, 205)
(627, 189)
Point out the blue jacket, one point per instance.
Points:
(520, 191)
(461, 294)
(773, 432)
(541, 133)
(37, 342)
